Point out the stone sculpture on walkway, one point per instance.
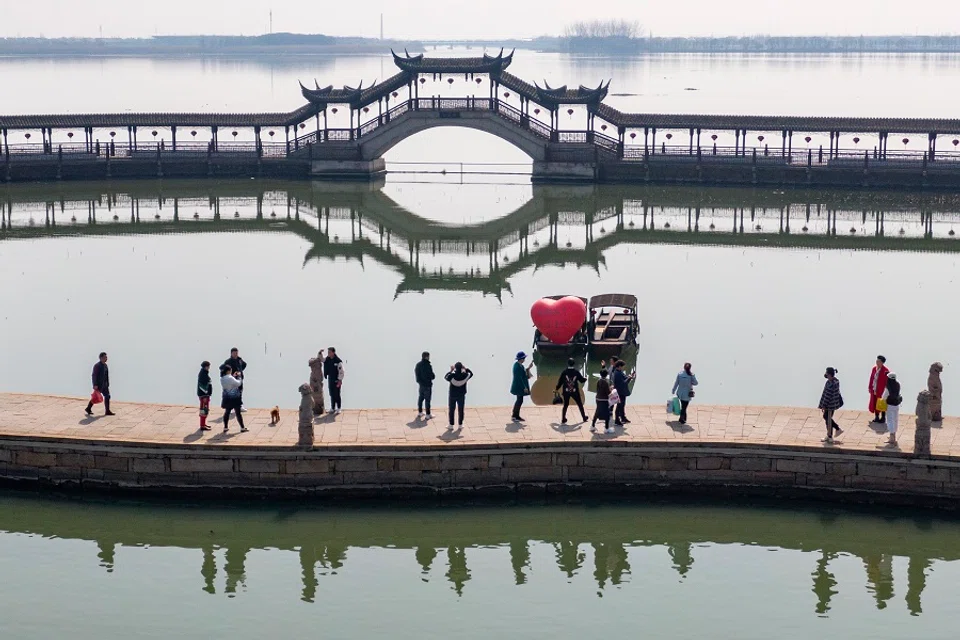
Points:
(316, 383)
(305, 425)
(935, 389)
(921, 439)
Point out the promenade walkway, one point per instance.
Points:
(41, 417)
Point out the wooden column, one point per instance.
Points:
(173, 136)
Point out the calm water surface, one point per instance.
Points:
(753, 291)
(102, 570)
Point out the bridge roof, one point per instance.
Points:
(484, 64)
(119, 120)
(354, 96)
(778, 123)
(550, 97)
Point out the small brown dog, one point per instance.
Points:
(275, 416)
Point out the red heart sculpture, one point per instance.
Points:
(559, 320)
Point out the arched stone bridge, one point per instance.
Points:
(570, 134)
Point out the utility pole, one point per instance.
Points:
(271, 20)
(381, 26)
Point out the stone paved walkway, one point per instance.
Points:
(59, 417)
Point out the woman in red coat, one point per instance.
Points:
(878, 384)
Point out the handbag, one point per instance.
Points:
(556, 397)
(676, 406)
(96, 397)
(692, 393)
(881, 405)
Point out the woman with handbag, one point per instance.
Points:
(893, 399)
(878, 384)
(520, 386)
(683, 388)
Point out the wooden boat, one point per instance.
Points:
(613, 325)
(544, 347)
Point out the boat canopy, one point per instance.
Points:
(624, 300)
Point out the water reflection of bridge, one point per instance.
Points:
(323, 539)
(558, 226)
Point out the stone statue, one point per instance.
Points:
(316, 383)
(935, 389)
(921, 439)
(305, 426)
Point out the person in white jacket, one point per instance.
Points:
(232, 397)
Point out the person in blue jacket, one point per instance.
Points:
(683, 388)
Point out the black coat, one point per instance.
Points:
(458, 391)
(893, 393)
(330, 369)
(570, 381)
(424, 373)
(237, 364)
(204, 386)
(101, 377)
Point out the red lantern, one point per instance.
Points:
(856, 141)
(270, 133)
(669, 136)
(808, 139)
(192, 133)
(423, 81)
(27, 136)
(303, 125)
(506, 94)
(70, 135)
(537, 112)
(154, 134)
(234, 134)
(569, 112)
(113, 133)
(633, 135)
(603, 127)
(714, 137)
(366, 109)
(334, 110)
(479, 80)
(760, 138)
(905, 141)
(956, 142)
(449, 80)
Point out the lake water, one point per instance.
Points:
(110, 570)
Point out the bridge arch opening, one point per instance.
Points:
(459, 151)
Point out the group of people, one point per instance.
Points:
(885, 399)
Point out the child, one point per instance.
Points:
(204, 391)
(603, 403)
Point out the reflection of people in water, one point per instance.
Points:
(682, 555)
(458, 573)
(824, 583)
(107, 554)
(425, 557)
(519, 558)
(209, 569)
(329, 557)
(235, 568)
(569, 557)
(879, 577)
(610, 562)
(916, 581)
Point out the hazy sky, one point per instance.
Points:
(480, 18)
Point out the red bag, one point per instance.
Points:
(96, 397)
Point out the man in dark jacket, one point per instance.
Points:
(101, 383)
(425, 377)
(236, 363)
(458, 377)
(569, 385)
(333, 372)
(621, 382)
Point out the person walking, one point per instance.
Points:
(204, 391)
(878, 384)
(569, 386)
(830, 401)
(424, 375)
(232, 398)
(101, 383)
(621, 382)
(333, 372)
(458, 376)
(316, 383)
(521, 384)
(893, 397)
(683, 388)
(237, 365)
(602, 411)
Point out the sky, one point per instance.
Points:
(459, 19)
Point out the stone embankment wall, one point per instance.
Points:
(472, 470)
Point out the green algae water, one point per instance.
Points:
(85, 569)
